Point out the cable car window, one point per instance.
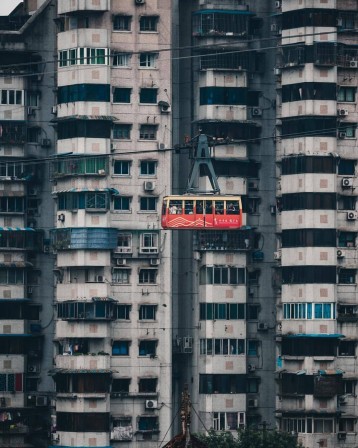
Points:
(219, 207)
(189, 207)
(208, 207)
(232, 208)
(199, 207)
(175, 207)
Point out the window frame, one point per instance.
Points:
(147, 312)
(124, 346)
(147, 276)
(147, 60)
(123, 57)
(125, 204)
(124, 92)
(122, 23)
(148, 23)
(122, 131)
(121, 276)
(122, 163)
(148, 132)
(146, 204)
(148, 168)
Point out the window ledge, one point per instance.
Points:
(147, 284)
(147, 211)
(121, 66)
(148, 68)
(122, 31)
(148, 32)
(126, 212)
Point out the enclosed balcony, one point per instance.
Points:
(235, 240)
(75, 6)
(85, 238)
(90, 362)
(222, 23)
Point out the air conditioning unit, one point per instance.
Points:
(343, 399)
(161, 146)
(61, 217)
(347, 182)
(342, 112)
(99, 279)
(121, 261)
(262, 326)
(278, 4)
(102, 172)
(277, 255)
(251, 368)
(253, 185)
(352, 216)
(55, 438)
(187, 344)
(197, 256)
(33, 368)
(54, 110)
(30, 111)
(155, 261)
(252, 403)
(151, 404)
(353, 64)
(341, 135)
(139, 2)
(164, 107)
(41, 400)
(277, 71)
(341, 435)
(340, 253)
(29, 290)
(32, 191)
(149, 185)
(46, 143)
(46, 249)
(274, 27)
(256, 112)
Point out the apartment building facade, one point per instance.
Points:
(104, 315)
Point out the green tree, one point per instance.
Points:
(249, 438)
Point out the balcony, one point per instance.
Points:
(235, 240)
(98, 330)
(83, 362)
(69, 6)
(71, 291)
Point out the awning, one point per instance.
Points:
(17, 229)
(79, 371)
(16, 264)
(224, 11)
(89, 190)
(103, 299)
(209, 120)
(314, 335)
(331, 372)
(85, 117)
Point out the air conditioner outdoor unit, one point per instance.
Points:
(164, 107)
(54, 110)
(32, 368)
(256, 112)
(252, 403)
(102, 172)
(253, 185)
(46, 249)
(139, 2)
(55, 438)
(29, 290)
(352, 216)
(277, 255)
(251, 368)
(274, 27)
(340, 253)
(149, 185)
(342, 112)
(30, 111)
(32, 191)
(277, 71)
(161, 146)
(353, 64)
(151, 404)
(262, 326)
(61, 217)
(347, 182)
(99, 279)
(41, 400)
(342, 135)
(121, 261)
(155, 261)
(342, 435)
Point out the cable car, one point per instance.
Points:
(202, 212)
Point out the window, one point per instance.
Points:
(308, 425)
(309, 346)
(148, 276)
(148, 348)
(122, 60)
(347, 276)
(121, 385)
(122, 95)
(149, 243)
(122, 131)
(225, 421)
(148, 204)
(347, 239)
(346, 203)
(346, 167)
(123, 312)
(11, 96)
(222, 275)
(124, 243)
(309, 91)
(148, 167)
(33, 134)
(122, 203)
(11, 169)
(120, 348)
(96, 200)
(308, 164)
(309, 311)
(346, 94)
(252, 347)
(146, 423)
(147, 385)
(32, 99)
(349, 387)
(148, 23)
(309, 238)
(122, 23)
(11, 205)
(122, 167)
(346, 348)
(80, 56)
(252, 385)
(226, 311)
(309, 201)
(346, 425)
(228, 96)
(147, 312)
(11, 382)
(309, 126)
(253, 312)
(148, 96)
(84, 128)
(83, 421)
(308, 274)
(148, 60)
(148, 132)
(80, 165)
(222, 384)
(348, 129)
(222, 346)
(121, 276)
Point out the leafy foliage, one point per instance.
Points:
(249, 438)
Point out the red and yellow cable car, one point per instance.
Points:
(202, 212)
